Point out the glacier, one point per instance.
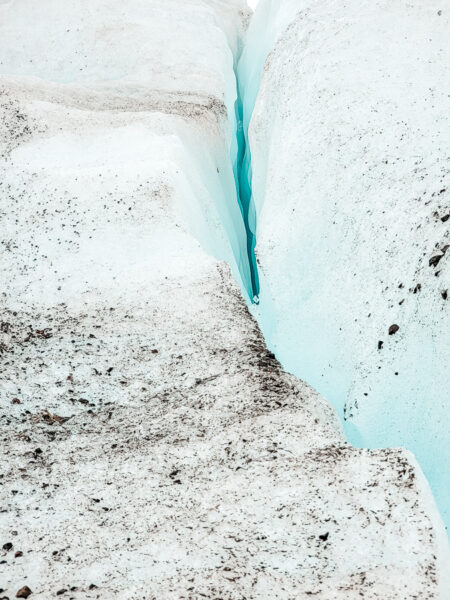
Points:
(152, 445)
(349, 141)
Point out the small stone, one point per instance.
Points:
(393, 329)
(324, 536)
(445, 218)
(24, 592)
(92, 586)
(15, 401)
(18, 554)
(380, 344)
(61, 592)
(444, 294)
(7, 546)
(434, 260)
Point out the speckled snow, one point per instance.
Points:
(152, 447)
(351, 180)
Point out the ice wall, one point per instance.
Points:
(349, 142)
(90, 52)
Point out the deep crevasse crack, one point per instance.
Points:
(243, 180)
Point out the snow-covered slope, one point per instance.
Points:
(152, 446)
(350, 153)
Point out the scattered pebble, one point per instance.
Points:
(434, 260)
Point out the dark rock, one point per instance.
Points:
(380, 344)
(7, 546)
(444, 294)
(18, 554)
(4, 326)
(24, 592)
(324, 536)
(445, 218)
(393, 329)
(61, 592)
(434, 260)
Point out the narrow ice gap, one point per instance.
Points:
(242, 176)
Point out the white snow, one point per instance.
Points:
(350, 147)
(191, 464)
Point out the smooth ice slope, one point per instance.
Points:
(152, 447)
(350, 155)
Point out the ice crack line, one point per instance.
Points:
(243, 179)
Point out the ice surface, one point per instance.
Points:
(118, 59)
(350, 146)
(190, 464)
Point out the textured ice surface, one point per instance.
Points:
(191, 465)
(350, 149)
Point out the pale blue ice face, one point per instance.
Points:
(409, 409)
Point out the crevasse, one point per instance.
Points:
(248, 68)
(243, 181)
